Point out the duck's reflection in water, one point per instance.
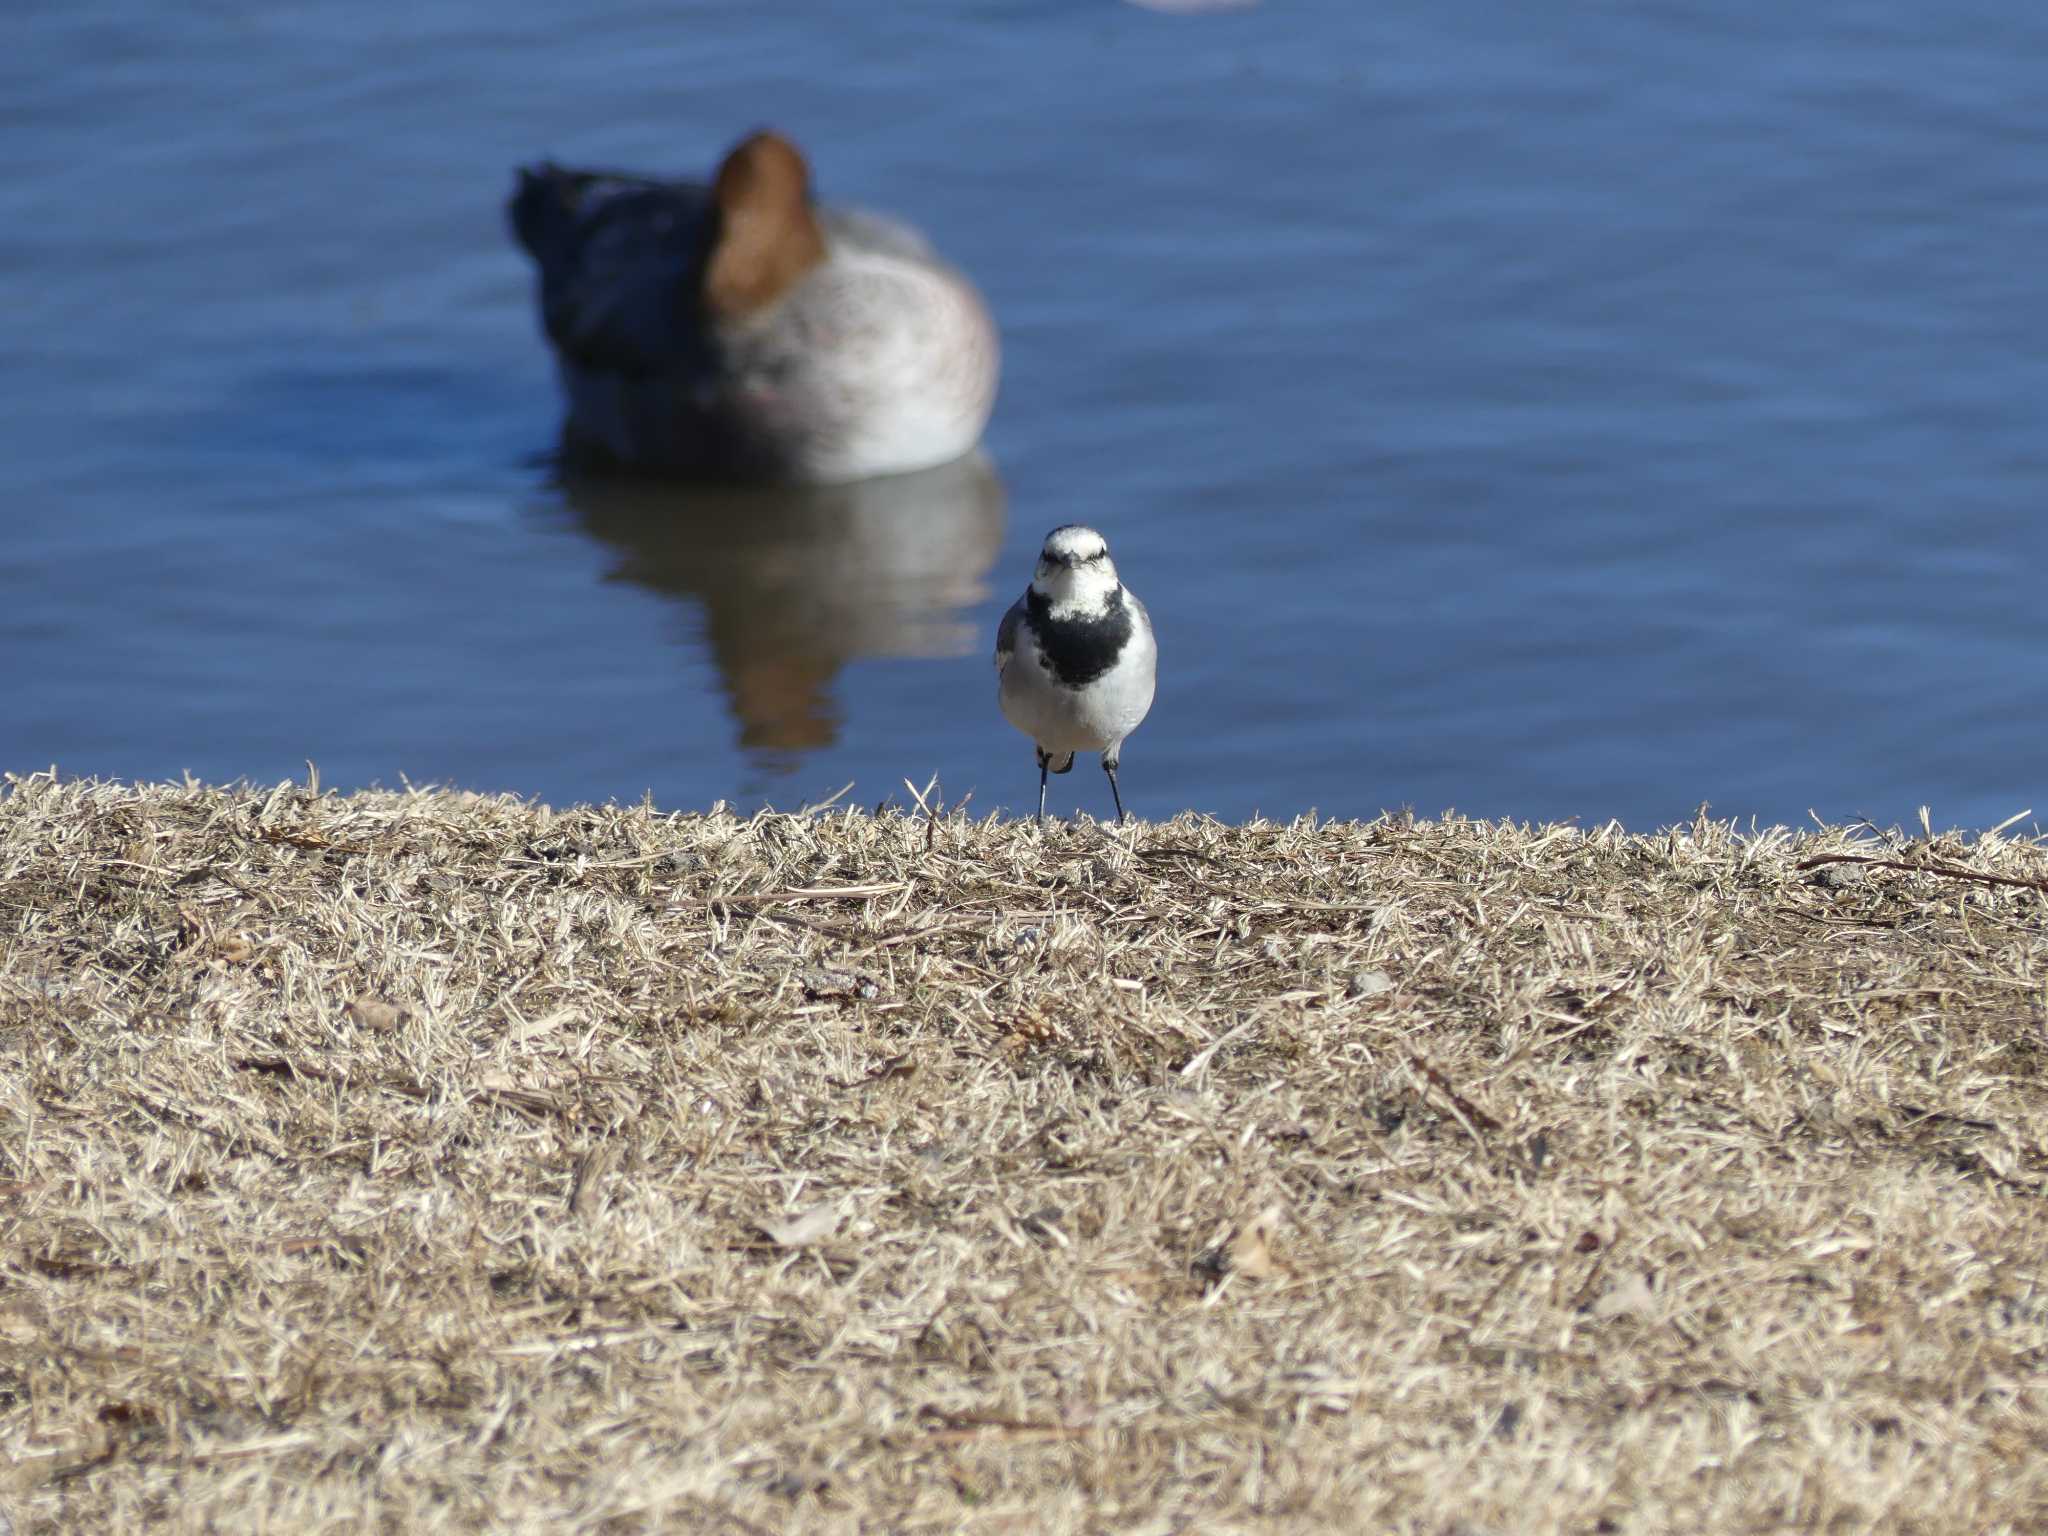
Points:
(796, 581)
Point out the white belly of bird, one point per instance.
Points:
(1092, 718)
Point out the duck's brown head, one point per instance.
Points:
(768, 235)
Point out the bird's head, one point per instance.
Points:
(1075, 574)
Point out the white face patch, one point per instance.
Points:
(1076, 590)
(1075, 575)
(1073, 545)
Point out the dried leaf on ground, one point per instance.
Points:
(803, 1228)
(376, 1013)
(1251, 1250)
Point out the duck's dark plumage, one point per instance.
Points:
(616, 255)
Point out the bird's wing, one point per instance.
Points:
(1141, 618)
(1006, 635)
(616, 256)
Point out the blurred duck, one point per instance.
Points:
(737, 330)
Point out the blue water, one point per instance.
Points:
(1590, 410)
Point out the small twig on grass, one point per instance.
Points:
(914, 935)
(1207, 1054)
(1828, 921)
(60, 1266)
(904, 1065)
(586, 1189)
(81, 1468)
(246, 1136)
(284, 1066)
(1147, 855)
(964, 1428)
(539, 1102)
(1584, 1293)
(1949, 871)
(1918, 1116)
(930, 807)
(1268, 906)
(1469, 1114)
(349, 1245)
(803, 893)
(306, 840)
(820, 807)
(263, 1445)
(788, 920)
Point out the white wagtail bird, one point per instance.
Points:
(1075, 658)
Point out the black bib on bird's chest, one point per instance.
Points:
(1079, 650)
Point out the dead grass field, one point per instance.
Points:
(431, 1162)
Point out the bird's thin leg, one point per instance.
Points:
(1115, 794)
(1043, 761)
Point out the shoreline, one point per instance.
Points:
(444, 1158)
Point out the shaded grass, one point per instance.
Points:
(435, 1162)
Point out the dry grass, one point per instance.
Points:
(432, 1162)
